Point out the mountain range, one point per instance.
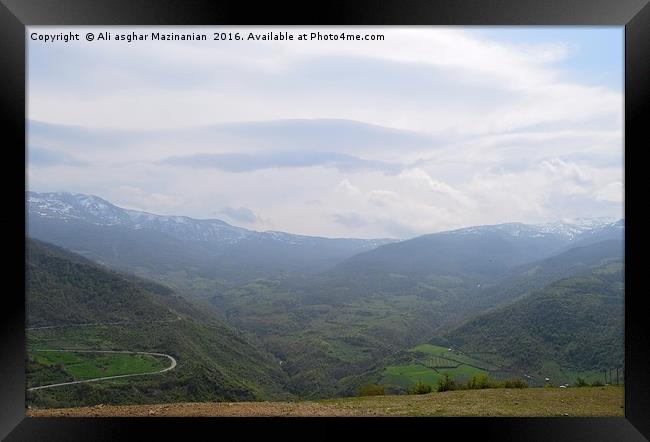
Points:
(139, 241)
(133, 239)
(325, 311)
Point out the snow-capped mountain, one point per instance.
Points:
(156, 244)
(482, 253)
(91, 209)
(97, 211)
(76, 206)
(565, 230)
(573, 228)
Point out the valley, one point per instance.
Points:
(263, 316)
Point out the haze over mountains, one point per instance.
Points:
(130, 239)
(327, 312)
(485, 249)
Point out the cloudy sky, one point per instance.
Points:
(428, 130)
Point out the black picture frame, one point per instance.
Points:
(16, 14)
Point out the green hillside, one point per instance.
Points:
(73, 304)
(538, 274)
(572, 326)
(64, 289)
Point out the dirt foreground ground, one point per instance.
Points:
(586, 401)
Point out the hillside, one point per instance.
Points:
(78, 305)
(535, 275)
(575, 323)
(65, 289)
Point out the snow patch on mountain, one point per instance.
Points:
(95, 210)
(568, 229)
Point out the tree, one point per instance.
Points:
(479, 382)
(446, 383)
(420, 388)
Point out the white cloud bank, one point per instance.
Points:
(430, 129)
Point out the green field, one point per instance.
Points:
(454, 355)
(429, 363)
(442, 363)
(56, 367)
(470, 365)
(409, 374)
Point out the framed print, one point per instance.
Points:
(250, 218)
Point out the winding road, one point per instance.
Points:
(172, 365)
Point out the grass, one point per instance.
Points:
(430, 363)
(81, 366)
(587, 401)
(557, 374)
(409, 374)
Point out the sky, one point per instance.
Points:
(431, 129)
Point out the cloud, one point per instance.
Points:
(611, 192)
(288, 137)
(348, 188)
(353, 220)
(432, 129)
(383, 198)
(131, 197)
(240, 215)
(565, 170)
(420, 177)
(237, 163)
(38, 156)
(392, 228)
(417, 79)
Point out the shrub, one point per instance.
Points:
(371, 390)
(447, 383)
(596, 383)
(420, 388)
(581, 382)
(480, 382)
(515, 383)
